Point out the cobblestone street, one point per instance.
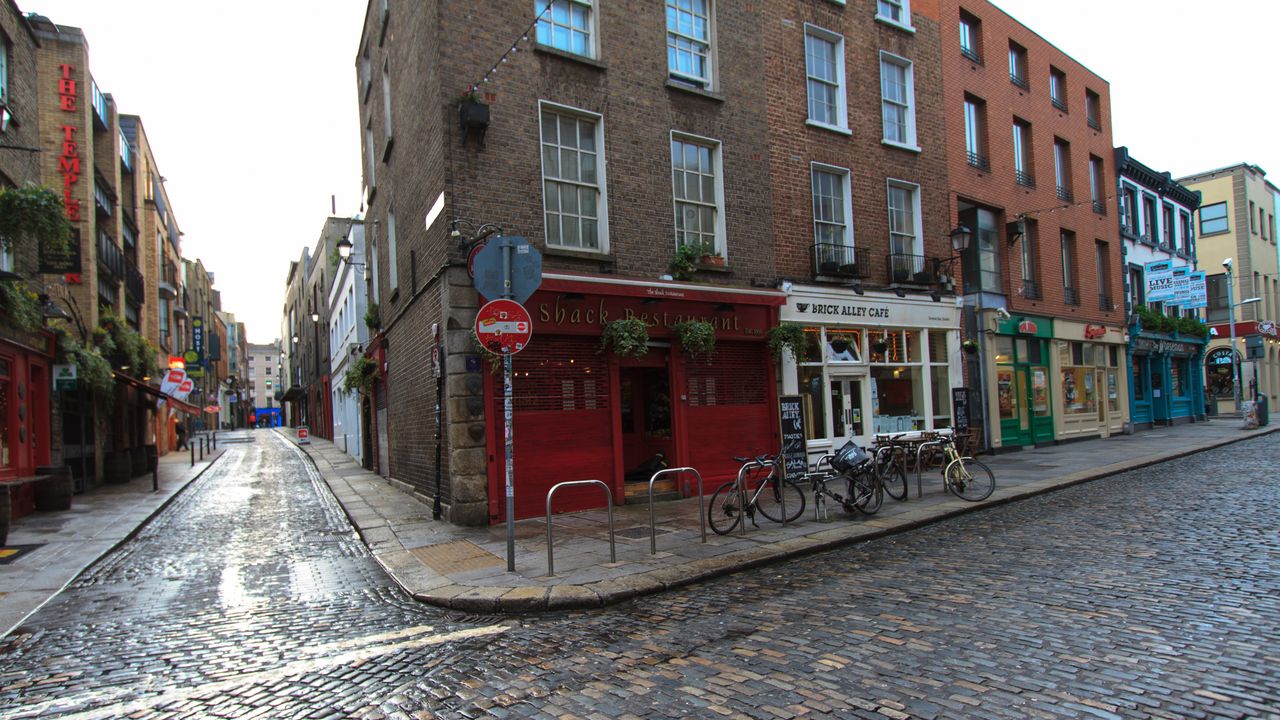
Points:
(1155, 593)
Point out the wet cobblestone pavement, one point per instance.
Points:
(1155, 593)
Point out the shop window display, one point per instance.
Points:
(896, 399)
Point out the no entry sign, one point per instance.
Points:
(503, 327)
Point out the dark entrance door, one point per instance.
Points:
(646, 423)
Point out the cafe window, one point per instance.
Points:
(1176, 384)
(940, 378)
(1139, 379)
(897, 396)
(811, 399)
(1079, 386)
(844, 345)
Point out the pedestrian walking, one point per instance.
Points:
(182, 436)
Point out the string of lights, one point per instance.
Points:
(515, 48)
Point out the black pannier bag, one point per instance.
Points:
(849, 457)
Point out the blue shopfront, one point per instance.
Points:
(1167, 387)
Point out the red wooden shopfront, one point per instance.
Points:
(24, 414)
(581, 414)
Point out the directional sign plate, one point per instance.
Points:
(526, 269)
(503, 327)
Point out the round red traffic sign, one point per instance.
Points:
(471, 257)
(503, 327)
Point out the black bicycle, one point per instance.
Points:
(852, 465)
(755, 490)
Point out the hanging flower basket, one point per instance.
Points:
(697, 337)
(969, 346)
(627, 338)
(787, 338)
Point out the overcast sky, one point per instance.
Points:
(251, 107)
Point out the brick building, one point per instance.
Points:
(679, 114)
(861, 221)
(1029, 146)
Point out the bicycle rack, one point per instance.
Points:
(820, 502)
(742, 495)
(919, 468)
(702, 512)
(608, 494)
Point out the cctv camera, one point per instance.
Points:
(1227, 264)
(1004, 314)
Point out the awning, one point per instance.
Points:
(154, 391)
(293, 394)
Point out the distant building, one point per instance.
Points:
(262, 363)
(348, 335)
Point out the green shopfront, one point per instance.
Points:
(1023, 381)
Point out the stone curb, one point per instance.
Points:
(541, 598)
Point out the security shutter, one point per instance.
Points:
(728, 412)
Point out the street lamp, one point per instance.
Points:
(1231, 315)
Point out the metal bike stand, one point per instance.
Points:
(702, 513)
(820, 500)
(608, 494)
(742, 494)
(919, 469)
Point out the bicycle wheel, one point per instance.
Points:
(866, 493)
(894, 480)
(770, 500)
(969, 479)
(722, 511)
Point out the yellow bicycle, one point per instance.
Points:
(966, 477)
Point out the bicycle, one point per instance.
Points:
(966, 478)
(890, 466)
(738, 499)
(862, 483)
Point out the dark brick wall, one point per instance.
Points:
(997, 188)
(16, 167)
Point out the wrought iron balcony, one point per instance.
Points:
(1060, 104)
(971, 53)
(1031, 290)
(1070, 296)
(1065, 195)
(1024, 179)
(842, 261)
(168, 285)
(978, 160)
(912, 269)
(103, 200)
(1099, 207)
(1020, 80)
(1093, 123)
(134, 285)
(1104, 302)
(110, 259)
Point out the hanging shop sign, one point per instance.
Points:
(1219, 357)
(1028, 327)
(1093, 332)
(824, 308)
(64, 261)
(69, 158)
(1268, 328)
(1159, 280)
(64, 377)
(1181, 285)
(503, 327)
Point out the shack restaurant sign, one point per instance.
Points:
(587, 314)
(823, 308)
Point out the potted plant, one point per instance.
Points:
(697, 337)
(360, 376)
(472, 111)
(685, 262)
(839, 344)
(848, 269)
(371, 319)
(710, 257)
(828, 267)
(627, 338)
(879, 347)
(788, 338)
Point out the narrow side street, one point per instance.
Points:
(1152, 594)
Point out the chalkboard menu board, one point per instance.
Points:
(795, 456)
(960, 407)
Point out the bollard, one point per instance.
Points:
(215, 441)
(201, 444)
(192, 448)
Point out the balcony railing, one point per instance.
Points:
(99, 104)
(978, 160)
(971, 53)
(1070, 296)
(126, 153)
(1024, 179)
(102, 199)
(1020, 80)
(168, 285)
(134, 285)
(1099, 207)
(1065, 195)
(1093, 123)
(1104, 303)
(1059, 103)
(840, 261)
(912, 269)
(110, 258)
(1031, 290)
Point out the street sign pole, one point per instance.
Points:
(507, 419)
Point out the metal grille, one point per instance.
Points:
(565, 374)
(735, 376)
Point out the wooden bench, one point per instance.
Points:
(52, 486)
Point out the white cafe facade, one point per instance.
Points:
(873, 363)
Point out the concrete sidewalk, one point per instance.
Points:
(465, 568)
(71, 540)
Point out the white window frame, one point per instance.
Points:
(386, 102)
(908, 70)
(549, 21)
(602, 195)
(841, 88)
(717, 166)
(392, 264)
(673, 40)
(904, 9)
(917, 243)
(846, 190)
